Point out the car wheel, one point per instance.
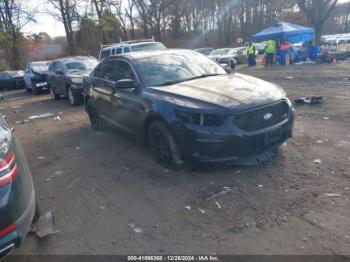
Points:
(163, 146)
(35, 90)
(53, 94)
(28, 89)
(74, 98)
(95, 119)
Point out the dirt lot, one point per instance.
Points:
(103, 187)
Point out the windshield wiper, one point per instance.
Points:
(173, 82)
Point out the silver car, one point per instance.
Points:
(35, 76)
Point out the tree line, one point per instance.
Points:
(177, 23)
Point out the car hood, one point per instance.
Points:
(82, 73)
(227, 92)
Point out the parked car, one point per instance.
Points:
(205, 50)
(11, 80)
(229, 56)
(130, 46)
(217, 53)
(66, 76)
(186, 107)
(17, 196)
(35, 76)
(240, 54)
(260, 48)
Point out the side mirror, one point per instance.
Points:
(227, 68)
(59, 72)
(126, 84)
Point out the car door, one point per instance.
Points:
(51, 74)
(60, 83)
(128, 106)
(8, 81)
(102, 89)
(27, 76)
(2, 81)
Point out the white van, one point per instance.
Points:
(130, 46)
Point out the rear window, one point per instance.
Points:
(105, 53)
(148, 47)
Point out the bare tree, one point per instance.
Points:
(65, 11)
(12, 20)
(317, 13)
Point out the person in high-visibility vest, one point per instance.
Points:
(251, 54)
(270, 50)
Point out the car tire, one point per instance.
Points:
(74, 98)
(96, 121)
(53, 94)
(28, 89)
(35, 90)
(163, 146)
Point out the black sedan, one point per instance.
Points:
(17, 197)
(11, 80)
(187, 108)
(65, 77)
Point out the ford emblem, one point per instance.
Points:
(268, 116)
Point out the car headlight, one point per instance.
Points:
(77, 80)
(209, 120)
(189, 117)
(289, 102)
(5, 138)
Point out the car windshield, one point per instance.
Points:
(172, 68)
(148, 47)
(236, 50)
(15, 73)
(40, 66)
(87, 64)
(223, 51)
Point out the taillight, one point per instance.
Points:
(7, 230)
(8, 169)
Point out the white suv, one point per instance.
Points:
(130, 46)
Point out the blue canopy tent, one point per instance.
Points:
(291, 32)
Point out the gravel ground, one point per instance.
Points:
(110, 197)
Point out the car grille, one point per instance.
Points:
(262, 117)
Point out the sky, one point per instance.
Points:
(46, 23)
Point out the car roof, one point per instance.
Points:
(128, 44)
(40, 62)
(147, 54)
(75, 58)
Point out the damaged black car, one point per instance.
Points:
(187, 108)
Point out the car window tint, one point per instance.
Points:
(113, 52)
(103, 71)
(52, 66)
(105, 53)
(6, 76)
(59, 66)
(119, 50)
(121, 70)
(127, 50)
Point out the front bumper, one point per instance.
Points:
(226, 144)
(77, 88)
